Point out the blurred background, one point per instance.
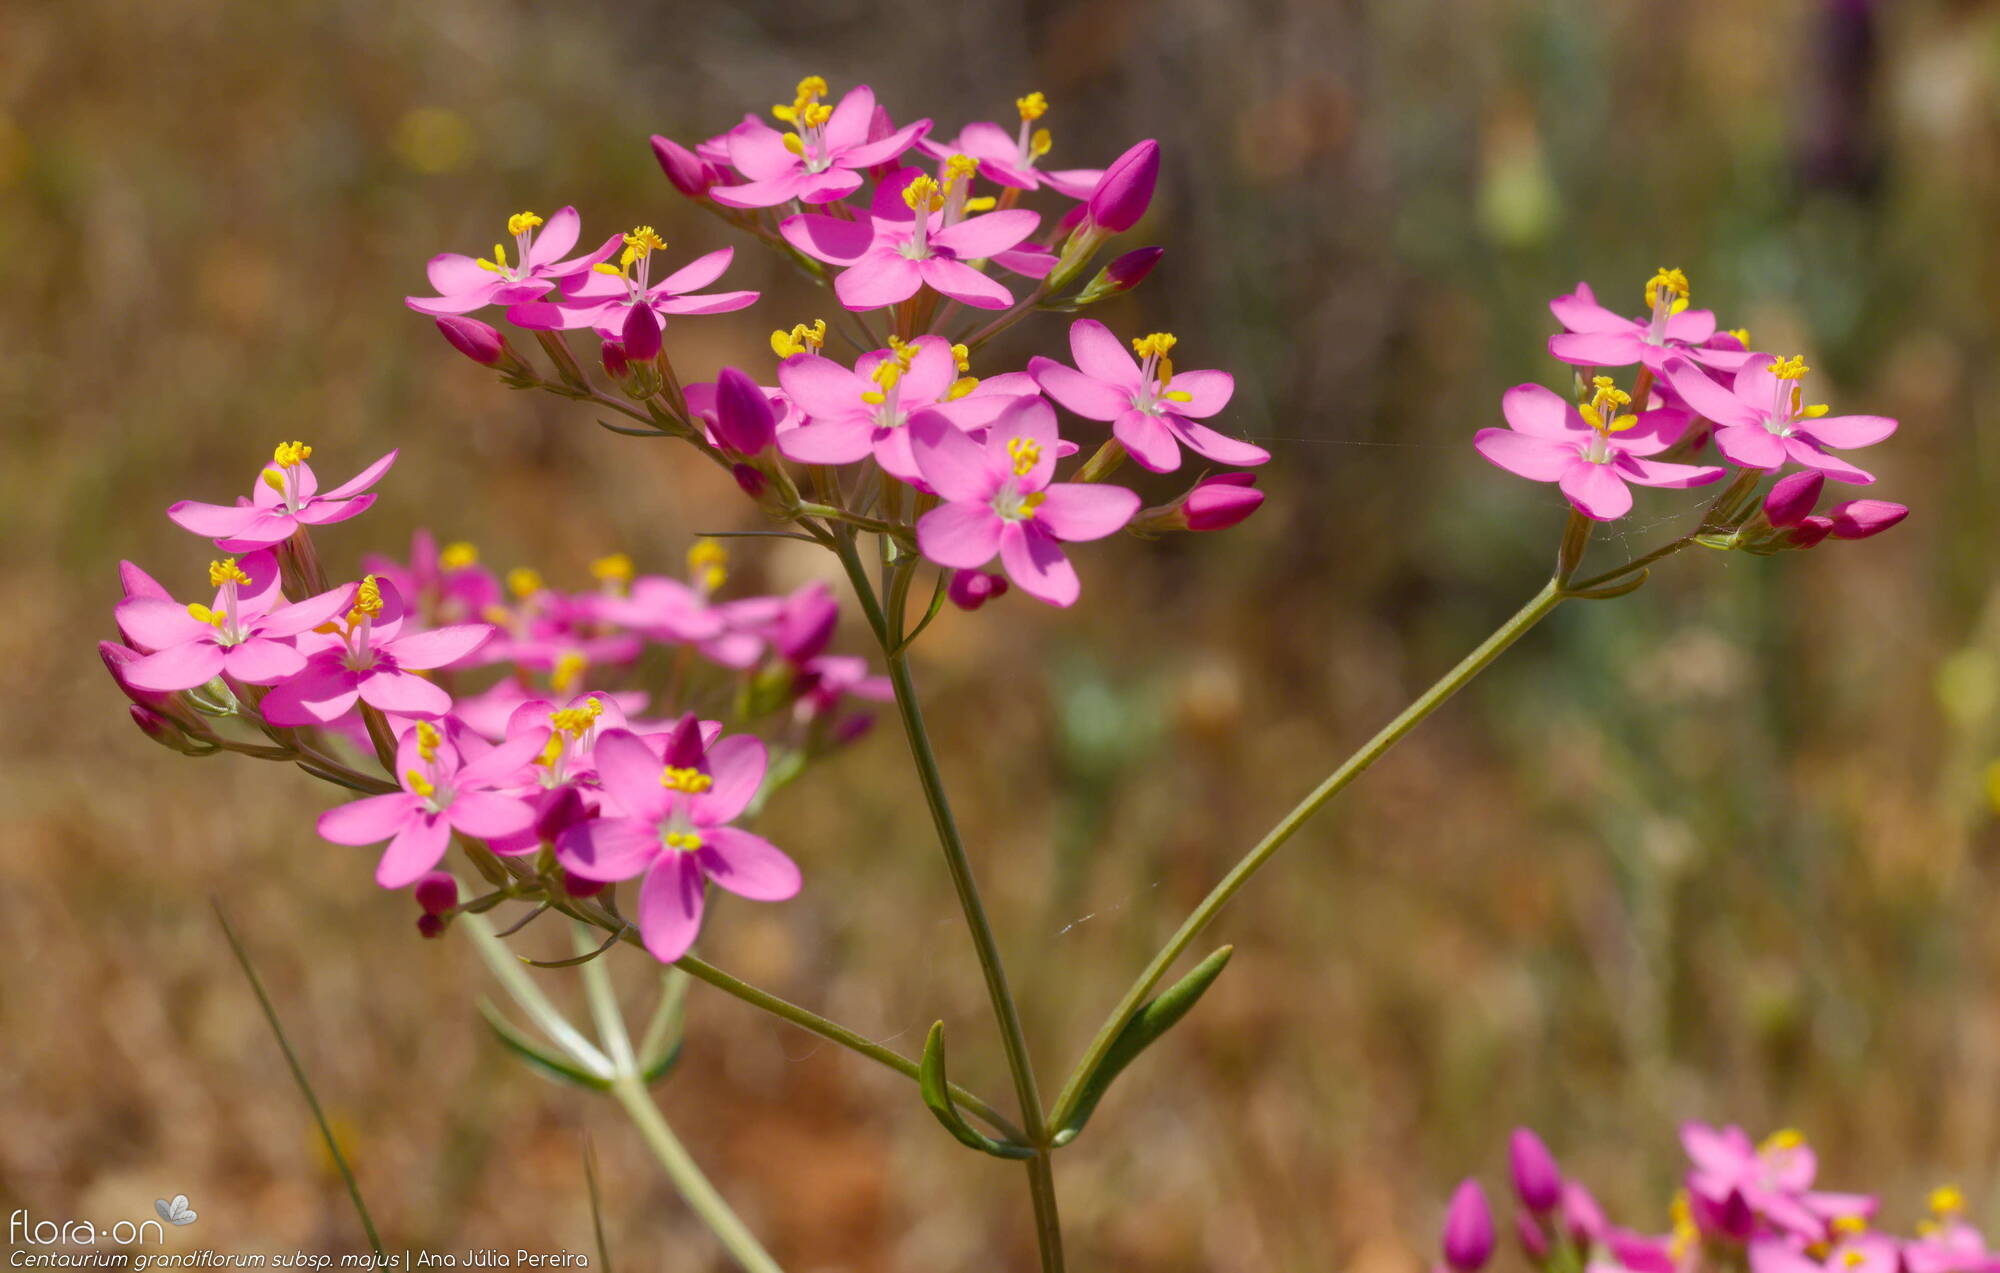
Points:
(1721, 850)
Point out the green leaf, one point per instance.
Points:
(1610, 590)
(936, 1091)
(1141, 1032)
(632, 433)
(548, 1063)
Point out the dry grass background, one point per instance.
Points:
(1719, 850)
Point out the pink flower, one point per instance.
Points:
(1596, 337)
(1153, 410)
(610, 297)
(1762, 419)
(998, 498)
(368, 658)
(848, 414)
(1773, 1179)
(1009, 159)
(1467, 1239)
(244, 635)
(465, 284)
(286, 497)
(1951, 1246)
(672, 825)
(894, 251)
(1549, 441)
(1125, 191)
(817, 161)
(1863, 518)
(442, 792)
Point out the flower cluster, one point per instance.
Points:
(1692, 384)
(508, 714)
(1742, 1205)
(914, 235)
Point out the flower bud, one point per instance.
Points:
(1860, 518)
(616, 364)
(1537, 1180)
(1793, 497)
(690, 174)
(437, 892)
(852, 727)
(577, 886)
(971, 589)
(751, 479)
(115, 658)
(481, 342)
(1221, 501)
(744, 421)
(1121, 276)
(641, 333)
(1125, 190)
(1468, 1229)
(1808, 532)
(1581, 1215)
(1534, 1241)
(560, 810)
(430, 927)
(168, 733)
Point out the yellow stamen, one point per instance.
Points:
(1793, 368)
(960, 387)
(640, 244)
(1742, 335)
(924, 195)
(800, 340)
(214, 618)
(367, 600)
(1026, 454)
(961, 357)
(1848, 1225)
(1157, 345)
(686, 841)
(1040, 143)
(1601, 412)
(551, 752)
(1853, 1258)
(1782, 1141)
(614, 568)
(458, 556)
(524, 582)
(574, 720)
(225, 571)
(959, 168)
(288, 454)
(688, 779)
(1676, 283)
(794, 143)
(569, 669)
(420, 784)
(707, 564)
(428, 738)
(1947, 1200)
(522, 222)
(1032, 107)
(806, 108)
(1029, 503)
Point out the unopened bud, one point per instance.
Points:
(1581, 1215)
(1808, 532)
(641, 333)
(1121, 276)
(1860, 518)
(1537, 1180)
(437, 892)
(560, 810)
(481, 342)
(430, 927)
(167, 732)
(1125, 190)
(689, 172)
(744, 422)
(1793, 497)
(751, 479)
(971, 589)
(577, 886)
(1534, 1241)
(1216, 502)
(616, 364)
(1468, 1229)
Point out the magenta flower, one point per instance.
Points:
(465, 284)
(368, 658)
(442, 792)
(1774, 1180)
(1550, 441)
(672, 825)
(608, 297)
(1537, 1180)
(1762, 419)
(1125, 190)
(1596, 337)
(244, 635)
(1863, 518)
(286, 497)
(1009, 159)
(851, 413)
(1153, 410)
(998, 498)
(1951, 1245)
(894, 251)
(819, 159)
(1467, 1239)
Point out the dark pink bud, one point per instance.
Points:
(1131, 269)
(690, 175)
(159, 728)
(1537, 1180)
(115, 658)
(481, 342)
(1809, 531)
(1581, 1215)
(1221, 501)
(806, 627)
(1730, 1217)
(642, 333)
(751, 479)
(1534, 1241)
(1468, 1229)
(1125, 190)
(616, 364)
(1860, 518)
(560, 810)
(577, 886)
(137, 583)
(852, 727)
(430, 927)
(1637, 1253)
(971, 589)
(437, 893)
(1793, 498)
(744, 421)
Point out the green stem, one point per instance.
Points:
(1433, 698)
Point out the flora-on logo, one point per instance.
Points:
(176, 1211)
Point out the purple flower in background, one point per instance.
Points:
(369, 659)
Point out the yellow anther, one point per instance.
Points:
(1848, 1225)
(1742, 335)
(1782, 1141)
(574, 720)
(612, 568)
(816, 115)
(420, 784)
(522, 222)
(1947, 1200)
(275, 479)
(1154, 344)
(1793, 368)
(1029, 503)
(1601, 412)
(708, 564)
(960, 387)
(428, 738)
(685, 778)
(498, 264)
(1032, 107)
(498, 616)
(524, 582)
(1026, 453)
(961, 358)
(225, 571)
(458, 556)
(1853, 1258)
(1040, 143)
(214, 618)
(924, 195)
(812, 87)
(889, 372)
(551, 752)
(805, 108)
(367, 599)
(640, 244)
(959, 168)
(288, 454)
(905, 351)
(1676, 283)
(794, 143)
(984, 203)
(569, 669)
(685, 841)
(800, 340)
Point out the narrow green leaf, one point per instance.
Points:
(936, 1090)
(548, 1063)
(1140, 1033)
(1610, 590)
(630, 432)
(596, 1207)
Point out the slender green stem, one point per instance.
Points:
(1433, 698)
(1637, 563)
(1041, 1180)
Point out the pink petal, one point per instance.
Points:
(1079, 511)
(1208, 392)
(320, 695)
(1092, 399)
(158, 624)
(557, 236)
(1024, 420)
(1537, 459)
(453, 272)
(491, 287)
(1847, 431)
(1220, 447)
(1541, 412)
(176, 667)
(821, 387)
(960, 535)
(1661, 473)
(736, 763)
(1692, 326)
(417, 848)
(1596, 491)
(503, 762)
(1709, 398)
(976, 238)
(1597, 349)
(698, 273)
(670, 903)
(848, 125)
(213, 521)
(486, 815)
(304, 616)
(608, 849)
(369, 820)
(932, 371)
(325, 511)
(703, 303)
(1833, 466)
(828, 186)
(758, 151)
(1037, 565)
(878, 279)
(440, 647)
(887, 149)
(964, 284)
(1580, 312)
(747, 865)
(956, 467)
(827, 238)
(834, 442)
(1750, 446)
(363, 480)
(404, 693)
(1149, 440)
(1101, 355)
(258, 661)
(631, 773)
